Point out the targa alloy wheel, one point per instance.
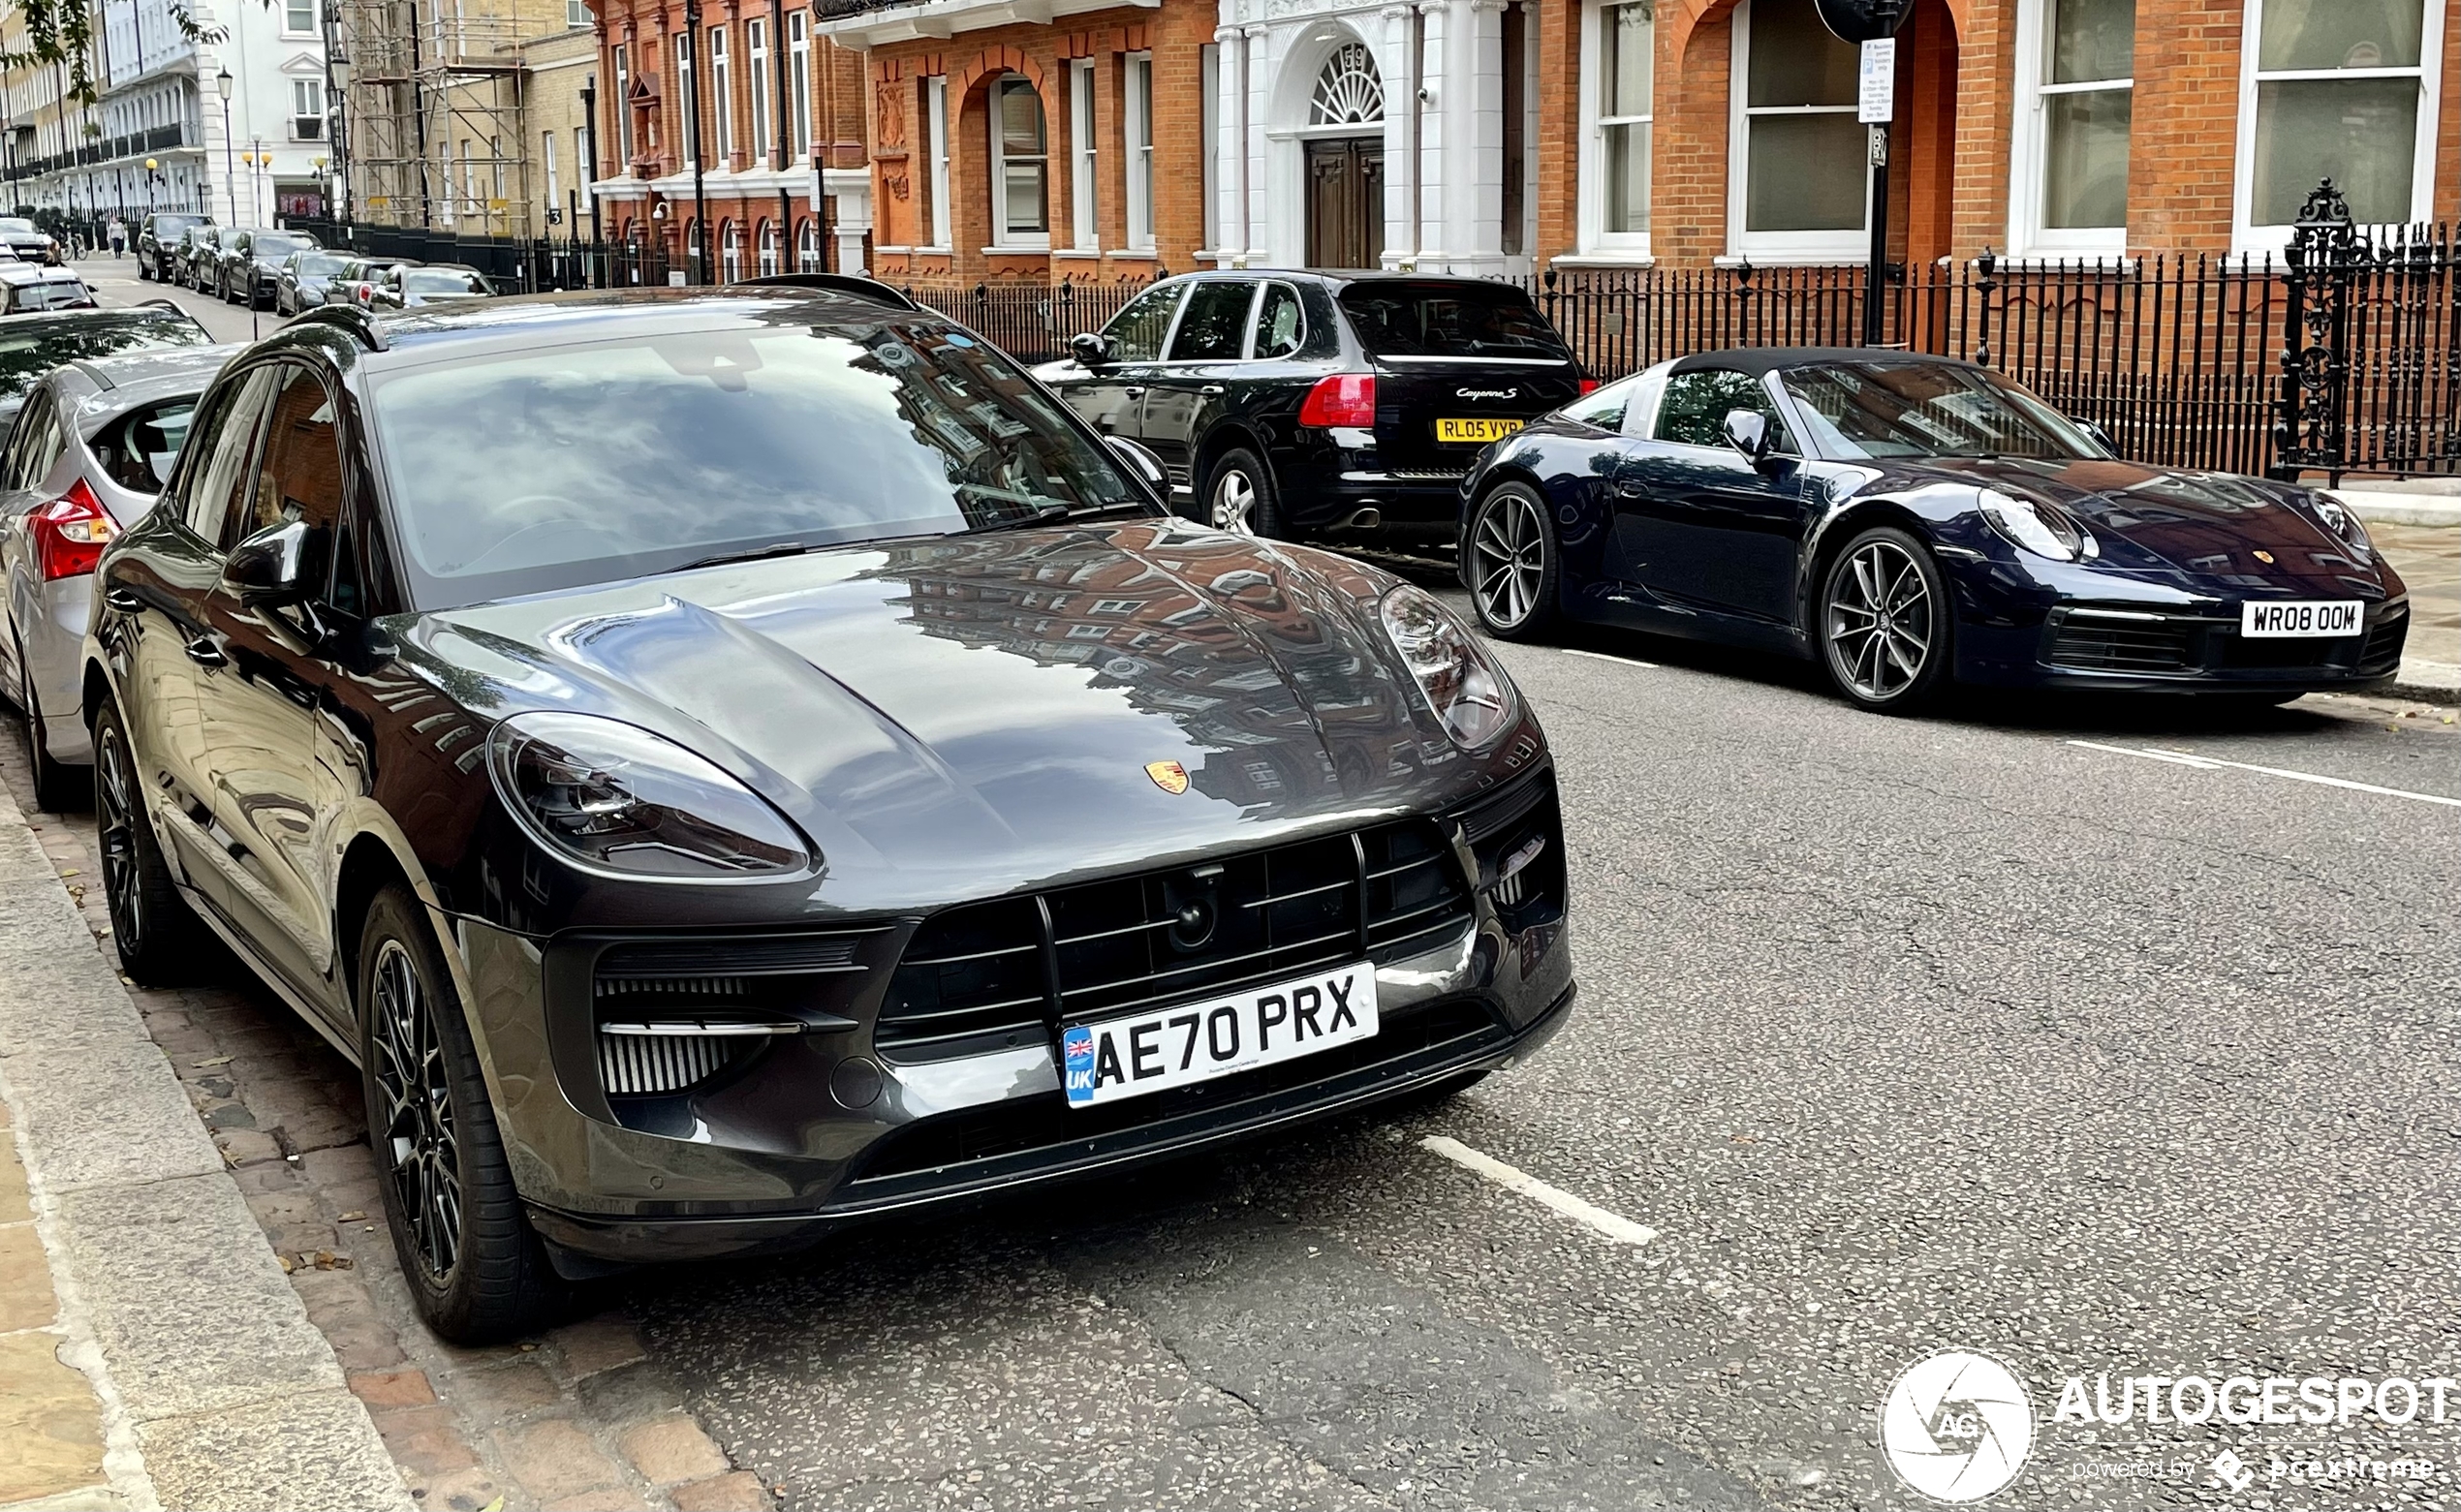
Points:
(418, 1145)
(1883, 621)
(1508, 559)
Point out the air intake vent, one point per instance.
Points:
(2101, 646)
(641, 1064)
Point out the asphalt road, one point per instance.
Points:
(2103, 1039)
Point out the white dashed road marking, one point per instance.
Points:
(1614, 1225)
(1600, 656)
(2213, 764)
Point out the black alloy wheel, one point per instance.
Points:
(1239, 496)
(1885, 622)
(1512, 562)
(156, 933)
(57, 787)
(475, 1268)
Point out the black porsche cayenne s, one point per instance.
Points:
(1303, 406)
(730, 763)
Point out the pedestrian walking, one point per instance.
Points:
(119, 235)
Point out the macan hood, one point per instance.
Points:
(966, 713)
(2190, 521)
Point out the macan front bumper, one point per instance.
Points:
(872, 1099)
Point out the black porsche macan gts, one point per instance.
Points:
(730, 763)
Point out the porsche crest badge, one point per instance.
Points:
(2265, 557)
(1169, 775)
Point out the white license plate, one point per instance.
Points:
(1197, 1041)
(2300, 619)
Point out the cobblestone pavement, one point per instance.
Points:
(578, 1418)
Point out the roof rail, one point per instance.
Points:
(350, 317)
(837, 283)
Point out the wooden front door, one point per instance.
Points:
(1346, 201)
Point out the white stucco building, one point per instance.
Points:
(1387, 135)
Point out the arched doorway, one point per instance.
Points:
(1345, 168)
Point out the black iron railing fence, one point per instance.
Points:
(2342, 355)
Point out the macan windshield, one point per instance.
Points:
(1927, 410)
(594, 462)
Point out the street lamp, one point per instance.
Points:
(153, 182)
(230, 171)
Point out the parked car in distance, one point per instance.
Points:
(32, 345)
(812, 858)
(1301, 405)
(88, 455)
(26, 288)
(356, 283)
(252, 259)
(303, 279)
(158, 239)
(29, 242)
(198, 262)
(1911, 522)
(407, 286)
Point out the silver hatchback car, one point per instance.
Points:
(88, 453)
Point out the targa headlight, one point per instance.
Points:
(615, 798)
(2045, 531)
(2344, 522)
(1463, 685)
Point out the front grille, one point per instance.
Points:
(987, 1133)
(1002, 973)
(2385, 640)
(2104, 646)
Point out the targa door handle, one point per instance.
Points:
(124, 600)
(204, 653)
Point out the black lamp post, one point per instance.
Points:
(692, 136)
(230, 169)
(1862, 22)
(589, 113)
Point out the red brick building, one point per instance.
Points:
(784, 179)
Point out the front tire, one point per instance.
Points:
(1514, 568)
(1885, 623)
(157, 936)
(475, 1268)
(1239, 496)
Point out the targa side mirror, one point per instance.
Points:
(1747, 432)
(1091, 348)
(269, 569)
(2098, 436)
(1142, 462)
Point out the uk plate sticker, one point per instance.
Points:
(1076, 1057)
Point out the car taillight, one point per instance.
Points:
(1589, 384)
(69, 533)
(1342, 399)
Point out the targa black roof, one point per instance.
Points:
(1759, 361)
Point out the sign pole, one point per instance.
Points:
(1876, 106)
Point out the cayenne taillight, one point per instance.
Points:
(69, 533)
(1341, 399)
(1589, 386)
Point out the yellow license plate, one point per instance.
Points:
(1475, 432)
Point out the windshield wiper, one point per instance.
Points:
(780, 549)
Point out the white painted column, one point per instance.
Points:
(1441, 166)
(1402, 165)
(1231, 142)
(1474, 211)
(853, 189)
(1257, 229)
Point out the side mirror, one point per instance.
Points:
(1142, 462)
(1091, 348)
(2098, 436)
(1747, 432)
(269, 569)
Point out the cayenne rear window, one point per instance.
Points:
(1450, 321)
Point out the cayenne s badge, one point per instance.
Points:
(1169, 775)
(2265, 557)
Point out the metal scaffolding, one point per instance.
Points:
(432, 111)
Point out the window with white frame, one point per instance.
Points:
(807, 247)
(1020, 167)
(1616, 90)
(582, 165)
(2071, 180)
(577, 14)
(721, 96)
(307, 109)
(2336, 89)
(299, 15)
(756, 53)
(684, 97)
(1139, 149)
(730, 250)
(799, 57)
(935, 125)
(1804, 189)
(623, 104)
(771, 253)
(1081, 159)
(546, 160)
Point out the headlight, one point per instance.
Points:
(2343, 521)
(617, 799)
(2045, 531)
(1468, 692)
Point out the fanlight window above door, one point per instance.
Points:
(1349, 91)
